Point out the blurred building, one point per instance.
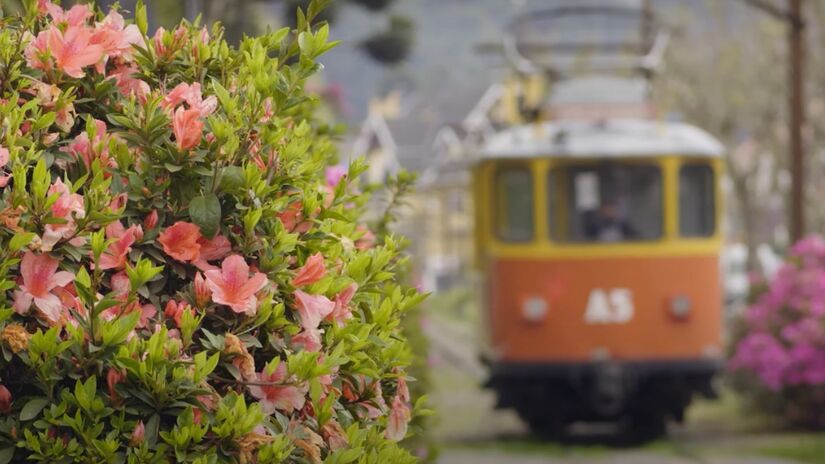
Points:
(434, 136)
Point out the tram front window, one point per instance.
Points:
(605, 203)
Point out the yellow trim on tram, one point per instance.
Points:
(542, 246)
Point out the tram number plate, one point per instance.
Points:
(609, 306)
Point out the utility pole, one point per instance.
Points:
(796, 106)
(795, 19)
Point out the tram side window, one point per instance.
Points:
(514, 204)
(605, 202)
(697, 212)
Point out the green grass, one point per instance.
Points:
(807, 448)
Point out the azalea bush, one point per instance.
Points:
(779, 350)
(183, 278)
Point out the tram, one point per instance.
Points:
(598, 239)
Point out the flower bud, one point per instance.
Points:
(151, 220)
(203, 295)
(114, 377)
(138, 434)
(5, 399)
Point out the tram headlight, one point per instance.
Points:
(534, 309)
(680, 306)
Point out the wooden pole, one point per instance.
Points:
(796, 107)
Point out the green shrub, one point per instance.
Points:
(183, 279)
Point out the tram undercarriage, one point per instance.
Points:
(638, 397)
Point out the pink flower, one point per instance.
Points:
(129, 85)
(187, 127)
(4, 160)
(367, 239)
(397, 420)
(232, 286)
(75, 16)
(341, 313)
(180, 241)
(308, 340)
(37, 53)
(39, 279)
(312, 271)
(286, 398)
(115, 255)
(82, 148)
(69, 206)
(312, 309)
(334, 174)
(72, 50)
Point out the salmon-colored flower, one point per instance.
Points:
(273, 398)
(74, 16)
(312, 271)
(175, 310)
(312, 309)
(232, 285)
(187, 127)
(115, 255)
(213, 249)
(40, 277)
(180, 241)
(116, 39)
(191, 94)
(72, 50)
(69, 206)
(397, 420)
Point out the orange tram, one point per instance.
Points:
(599, 244)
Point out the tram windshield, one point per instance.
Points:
(605, 202)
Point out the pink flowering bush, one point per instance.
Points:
(182, 278)
(780, 344)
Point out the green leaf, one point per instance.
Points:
(232, 178)
(33, 408)
(20, 240)
(6, 455)
(205, 212)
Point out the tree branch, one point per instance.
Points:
(777, 12)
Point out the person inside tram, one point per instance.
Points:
(607, 224)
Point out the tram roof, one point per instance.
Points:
(614, 138)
